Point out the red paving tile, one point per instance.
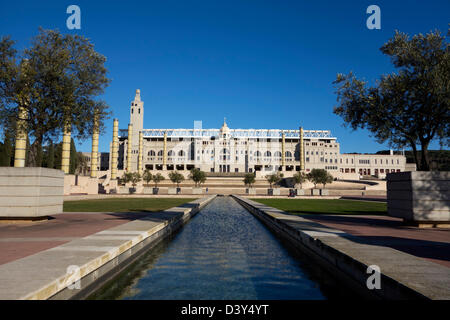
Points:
(66, 225)
(431, 244)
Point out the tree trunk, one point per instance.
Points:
(35, 153)
(424, 163)
(416, 156)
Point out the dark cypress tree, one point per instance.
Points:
(6, 151)
(73, 157)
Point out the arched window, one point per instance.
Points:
(277, 154)
(267, 154)
(181, 153)
(160, 153)
(257, 154)
(170, 153)
(288, 154)
(151, 153)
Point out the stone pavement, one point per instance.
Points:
(26, 238)
(37, 260)
(432, 244)
(413, 262)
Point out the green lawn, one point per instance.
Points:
(124, 205)
(326, 206)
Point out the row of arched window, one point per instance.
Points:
(181, 153)
(276, 154)
(171, 153)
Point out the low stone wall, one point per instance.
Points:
(76, 184)
(99, 256)
(30, 193)
(422, 197)
(346, 258)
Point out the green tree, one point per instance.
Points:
(319, 176)
(6, 151)
(300, 178)
(135, 178)
(126, 177)
(147, 176)
(249, 179)
(411, 107)
(157, 178)
(56, 80)
(176, 177)
(197, 176)
(74, 157)
(273, 179)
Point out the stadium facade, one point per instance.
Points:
(228, 151)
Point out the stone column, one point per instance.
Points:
(65, 154)
(165, 151)
(129, 146)
(21, 139)
(283, 159)
(140, 156)
(115, 148)
(301, 150)
(94, 153)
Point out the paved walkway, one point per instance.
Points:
(23, 239)
(431, 244)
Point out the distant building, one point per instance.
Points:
(262, 151)
(102, 162)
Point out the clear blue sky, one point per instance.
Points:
(260, 64)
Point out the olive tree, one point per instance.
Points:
(300, 178)
(176, 177)
(55, 82)
(410, 107)
(157, 178)
(249, 179)
(197, 176)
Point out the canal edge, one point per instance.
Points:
(96, 269)
(336, 253)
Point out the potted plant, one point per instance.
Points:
(299, 179)
(198, 177)
(176, 178)
(147, 177)
(157, 178)
(249, 180)
(124, 180)
(135, 178)
(319, 176)
(273, 179)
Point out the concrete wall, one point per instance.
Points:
(419, 196)
(74, 184)
(30, 192)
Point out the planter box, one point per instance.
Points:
(324, 192)
(419, 196)
(197, 190)
(30, 192)
(251, 191)
(273, 192)
(155, 190)
(315, 192)
(300, 192)
(171, 190)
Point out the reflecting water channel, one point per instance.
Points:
(222, 253)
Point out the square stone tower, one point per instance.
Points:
(136, 118)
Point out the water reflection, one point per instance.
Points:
(222, 253)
